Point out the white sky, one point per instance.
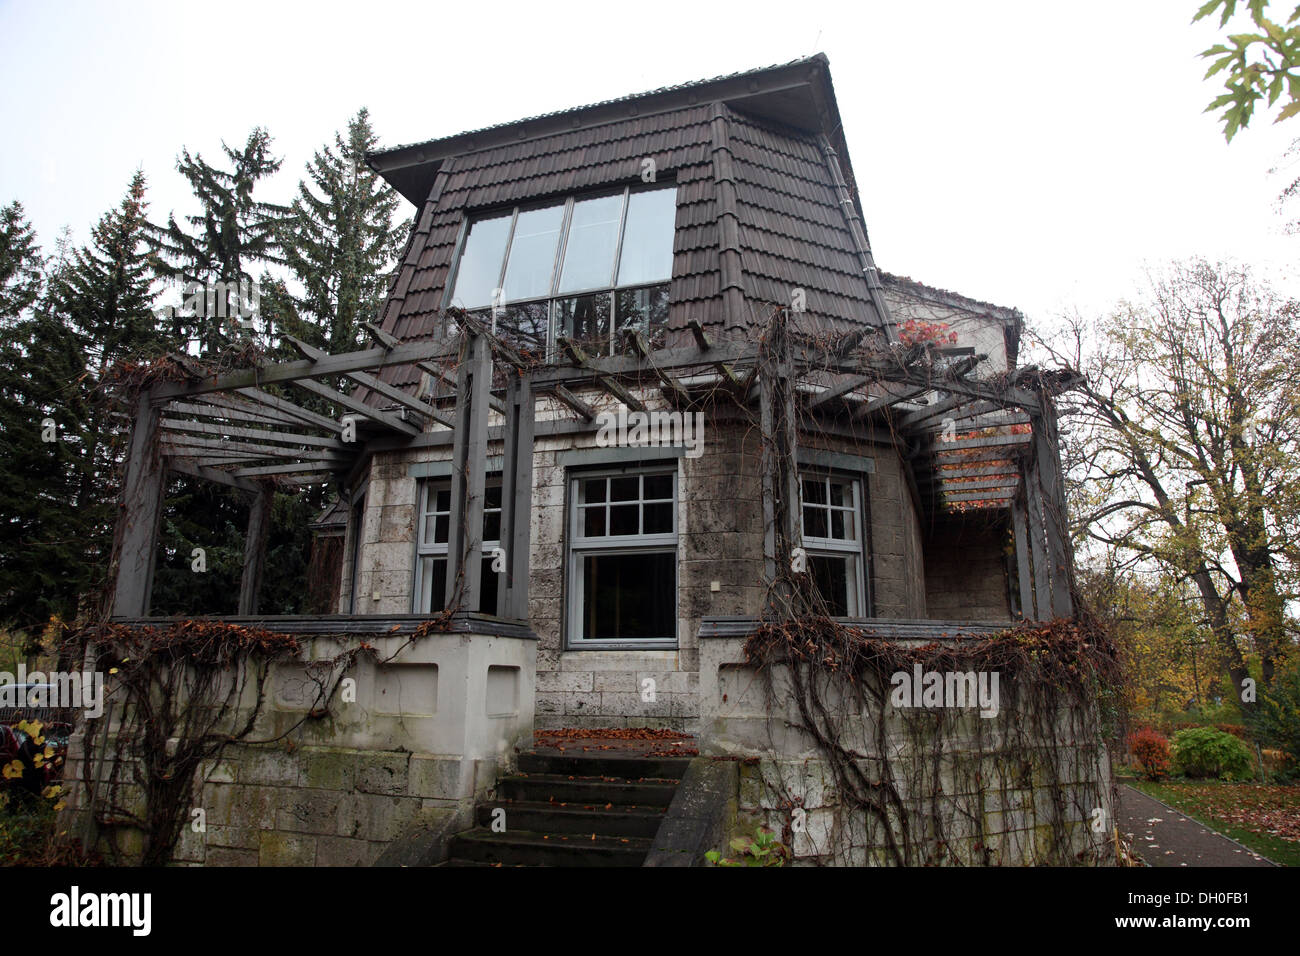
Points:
(1030, 154)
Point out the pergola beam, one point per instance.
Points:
(356, 407)
(378, 385)
(307, 369)
(289, 408)
(258, 434)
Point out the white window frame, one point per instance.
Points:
(435, 550)
(580, 546)
(554, 297)
(854, 547)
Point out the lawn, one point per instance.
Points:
(1263, 817)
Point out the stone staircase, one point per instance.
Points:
(572, 809)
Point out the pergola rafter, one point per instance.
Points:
(228, 428)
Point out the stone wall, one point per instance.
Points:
(966, 567)
(424, 730)
(720, 541)
(1001, 795)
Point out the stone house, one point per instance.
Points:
(636, 357)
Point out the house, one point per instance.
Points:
(637, 360)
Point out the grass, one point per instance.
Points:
(1263, 817)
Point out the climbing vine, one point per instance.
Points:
(183, 693)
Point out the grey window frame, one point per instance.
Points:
(579, 545)
(860, 597)
(433, 549)
(554, 296)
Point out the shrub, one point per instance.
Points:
(1208, 752)
(1277, 718)
(1151, 750)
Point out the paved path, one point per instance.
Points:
(1163, 836)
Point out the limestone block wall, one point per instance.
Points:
(424, 730)
(720, 540)
(998, 799)
(966, 567)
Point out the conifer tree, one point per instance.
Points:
(233, 234)
(340, 241)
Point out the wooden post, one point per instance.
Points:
(259, 527)
(468, 475)
(1022, 557)
(141, 509)
(517, 496)
(1042, 580)
(1047, 456)
(782, 524)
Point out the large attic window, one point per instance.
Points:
(587, 268)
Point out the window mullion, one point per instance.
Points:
(505, 264)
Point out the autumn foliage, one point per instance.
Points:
(1150, 749)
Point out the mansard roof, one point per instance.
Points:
(766, 204)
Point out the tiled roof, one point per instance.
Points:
(632, 97)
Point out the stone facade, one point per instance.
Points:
(1003, 793)
(423, 731)
(720, 541)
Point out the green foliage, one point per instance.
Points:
(56, 496)
(1259, 63)
(1277, 718)
(340, 241)
(20, 263)
(762, 849)
(233, 233)
(1201, 752)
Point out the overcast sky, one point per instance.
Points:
(1031, 154)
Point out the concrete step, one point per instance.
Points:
(523, 848)
(597, 764)
(569, 818)
(584, 790)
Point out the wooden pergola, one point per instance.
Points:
(229, 429)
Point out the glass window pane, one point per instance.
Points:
(624, 519)
(659, 519)
(593, 522)
(585, 320)
(840, 494)
(647, 254)
(480, 262)
(492, 526)
(492, 496)
(488, 583)
(524, 327)
(593, 489)
(831, 576)
(443, 500)
(814, 521)
(433, 584)
(841, 525)
(658, 486)
(627, 488)
(589, 250)
(643, 309)
(814, 491)
(532, 253)
(629, 596)
(441, 524)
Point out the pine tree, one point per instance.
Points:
(340, 241)
(44, 548)
(20, 263)
(232, 234)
